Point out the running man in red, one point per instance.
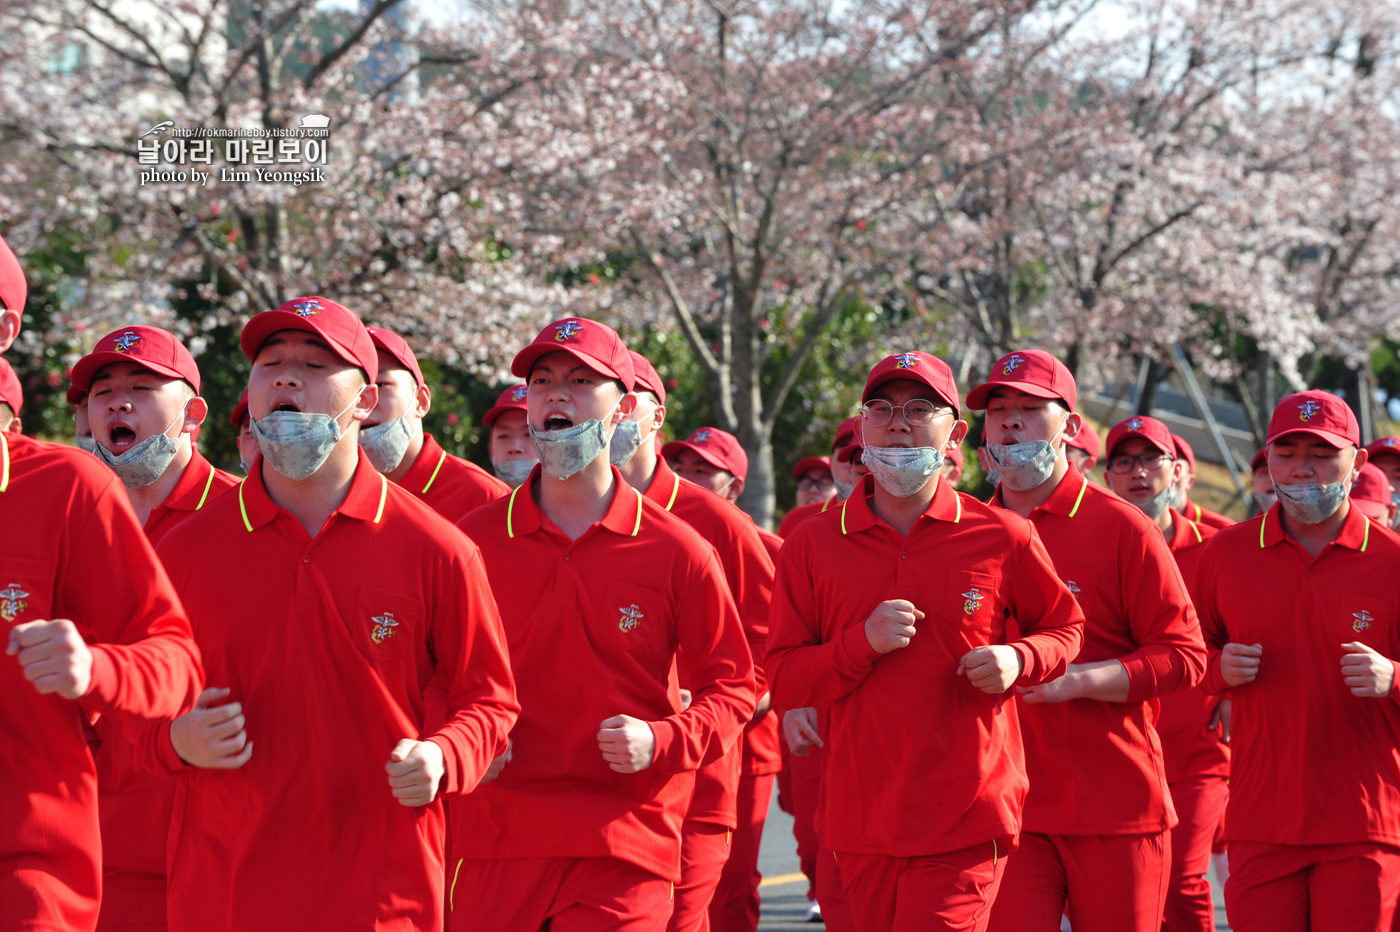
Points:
(508, 440)
(1384, 454)
(599, 586)
(87, 614)
(1099, 814)
(1299, 610)
(1181, 503)
(909, 612)
(725, 820)
(394, 439)
(324, 597)
(141, 383)
(11, 400)
(1373, 495)
(1143, 470)
(840, 477)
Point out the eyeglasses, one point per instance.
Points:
(1124, 464)
(807, 485)
(917, 412)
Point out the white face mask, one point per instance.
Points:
(564, 453)
(87, 444)
(296, 443)
(902, 471)
(843, 489)
(1264, 500)
(626, 441)
(148, 460)
(385, 444)
(1158, 503)
(1025, 466)
(513, 472)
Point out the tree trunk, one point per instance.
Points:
(1148, 398)
(759, 495)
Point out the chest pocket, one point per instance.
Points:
(387, 624)
(26, 592)
(1082, 582)
(635, 622)
(1365, 618)
(971, 607)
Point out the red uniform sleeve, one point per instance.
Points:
(1171, 654)
(805, 670)
(144, 662)
(1045, 611)
(749, 570)
(473, 662)
(1213, 629)
(721, 674)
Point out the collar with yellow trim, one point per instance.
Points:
(1185, 532)
(365, 501)
(857, 515)
(524, 516)
(191, 492)
(4, 463)
(426, 466)
(665, 485)
(1064, 500)
(1355, 535)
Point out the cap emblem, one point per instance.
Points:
(972, 600)
(519, 392)
(1390, 442)
(700, 436)
(631, 615)
(1363, 620)
(1135, 424)
(384, 627)
(126, 341)
(307, 308)
(1307, 409)
(1012, 363)
(12, 602)
(906, 361)
(567, 331)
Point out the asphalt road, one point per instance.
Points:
(784, 889)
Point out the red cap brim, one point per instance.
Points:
(264, 325)
(86, 369)
(1337, 440)
(525, 359)
(670, 450)
(977, 398)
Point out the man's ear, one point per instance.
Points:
(9, 328)
(625, 407)
(423, 398)
(658, 417)
(195, 412)
(14, 427)
(368, 400)
(1073, 425)
(736, 488)
(955, 438)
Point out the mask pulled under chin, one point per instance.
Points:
(903, 471)
(626, 441)
(1023, 466)
(564, 453)
(297, 443)
(385, 444)
(1311, 502)
(147, 461)
(1178, 498)
(87, 444)
(843, 489)
(1264, 500)
(1158, 503)
(513, 472)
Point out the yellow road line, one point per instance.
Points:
(781, 879)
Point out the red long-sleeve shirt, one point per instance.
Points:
(1310, 763)
(749, 571)
(71, 548)
(448, 484)
(329, 642)
(1189, 747)
(1096, 767)
(135, 805)
(918, 760)
(594, 625)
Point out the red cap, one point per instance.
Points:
(1372, 485)
(1087, 440)
(646, 379)
(1032, 371)
(10, 392)
(339, 326)
(845, 454)
(396, 346)
(512, 399)
(1319, 413)
(149, 347)
(845, 433)
(1148, 428)
(920, 367)
(240, 411)
(716, 447)
(809, 463)
(594, 344)
(75, 395)
(1383, 446)
(13, 288)
(1184, 452)
(1261, 459)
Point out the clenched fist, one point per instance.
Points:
(415, 768)
(53, 657)
(891, 625)
(627, 743)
